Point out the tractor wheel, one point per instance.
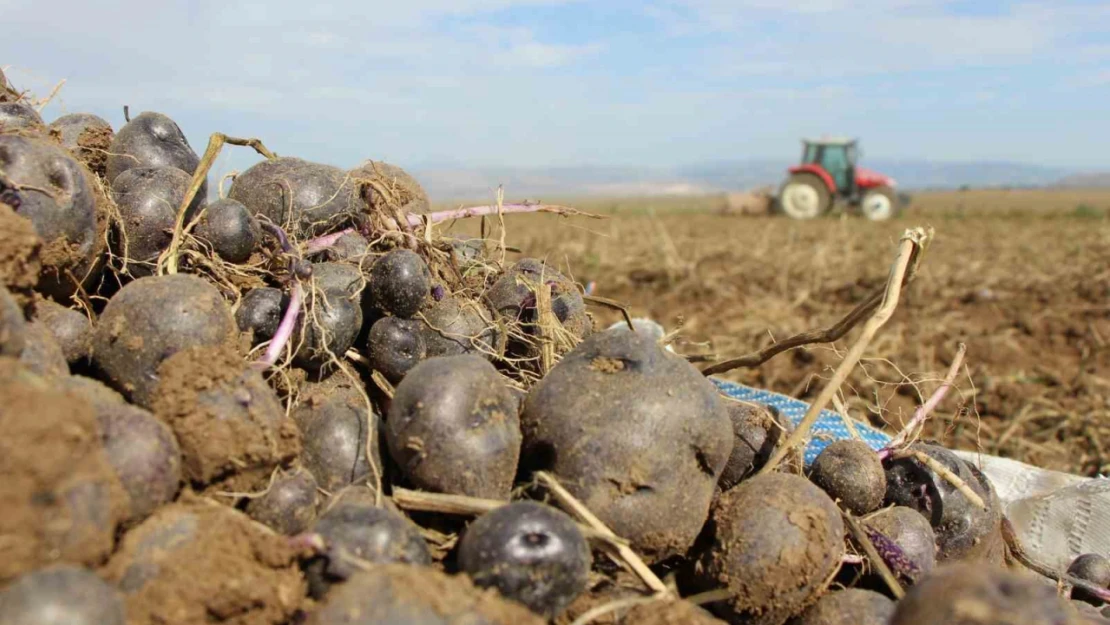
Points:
(804, 196)
(879, 204)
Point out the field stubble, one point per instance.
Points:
(1023, 281)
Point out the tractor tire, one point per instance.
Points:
(880, 204)
(804, 196)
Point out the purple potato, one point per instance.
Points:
(152, 140)
(395, 346)
(399, 283)
(289, 505)
(230, 229)
(70, 328)
(309, 198)
(332, 416)
(19, 116)
(148, 199)
(61, 594)
(42, 353)
(260, 312)
(852, 474)
(88, 137)
(13, 326)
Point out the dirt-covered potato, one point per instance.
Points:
(351, 247)
(777, 540)
(57, 194)
(148, 199)
(70, 328)
(259, 312)
(513, 296)
(974, 593)
(13, 326)
(230, 229)
(454, 326)
(849, 606)
(453, 427)
(151, 319)
(339, 277)
(963, 530)
(61, 594)
(757, 431)
(395, 346)
(41, 351)
(198, 562)
(152, 140)
(327, 328)
(289, 503)
(230, 425)
(311, 198)
(531, 553)
(851, 473)
(86, 136)
(397, 594)
(635, 432)
(399, 283)
(911, 531)
(354, 532)
(18, 116)
(332, 417)
(61, 500)
(403, 190)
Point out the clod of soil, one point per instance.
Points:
(228, 421)
(151, 319)
(531, 553)
(513, 296)
(453, 427)
(86, 136)
(757, 431)
(972, 593)
(18, 116)
(145, 455)
(332, 416)
(289, 505)
(41, 352)
(20, 251)
(198, 562)
(454, 326)
(963, 530)
(356, 534)
(849, 606)
(851, 473)
(402, 593)
(395, 346)
(60, 498)
(260, 311)
(70, 328)
(911, 531)
(391, 185)
(13, 326)
(61, 595)
(57, 194)
(230, 229)
(1094, 568)
(635, 432)
(777, 541)
(152, 140)
(310, 198)
(399, 283)
(148, 199)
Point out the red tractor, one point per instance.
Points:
(827, 174)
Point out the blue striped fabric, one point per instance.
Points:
(829, 427)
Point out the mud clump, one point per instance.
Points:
(86, 136)
(20, 251)
(197, 562)
(60, 497)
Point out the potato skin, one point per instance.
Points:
(319, 197)
(851, 605)
(148, 199)
(61, 593)
(453, 427)
(636, 433)
(152, 139)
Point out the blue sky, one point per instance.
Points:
(539, 83)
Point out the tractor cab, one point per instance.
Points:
(837, 157)
(828, 174)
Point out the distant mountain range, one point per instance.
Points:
(445, 182)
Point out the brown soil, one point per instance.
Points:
(669, 613)
(21, 252)
(60, 498)
(93, 147)
(197, 562)
(228, 422)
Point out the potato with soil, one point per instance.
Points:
(911, 532)
(148, 199)
(198, 562)
(513, 297)
(57, 194)
(86, 136)
(41, 352)
(13, 326)
(405, 594)
(19, 116)
(455, 325)
(70, 328)
(289, 503)
(851, 605)
(757, 431)
(395, 346)
(61, 500)
(230, 425)
(61, 595)
(453, 427)
(963, 530)
(531, 553)
(401, 189)
(230, 229)
(967, 593)
(332, 418)
(852, 474)
(309, 198)
(151, 319)
(327, 328)
(152, 140)
(635, 432)
(777, 540)
(356, 532)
